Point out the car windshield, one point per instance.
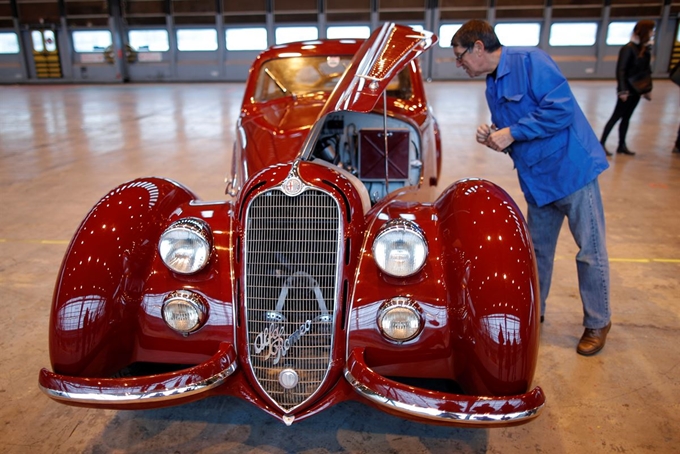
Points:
(300, 76)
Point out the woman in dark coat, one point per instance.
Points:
(633, 80)
(675, 77)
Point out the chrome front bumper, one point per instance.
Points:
(148, 391)
(445, 408)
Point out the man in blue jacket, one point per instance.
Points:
(537, 121)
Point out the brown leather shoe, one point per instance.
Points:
(593, 340)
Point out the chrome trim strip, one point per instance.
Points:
(136, 398)
(438, 415)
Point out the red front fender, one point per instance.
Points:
(496, 283)
(99, 286)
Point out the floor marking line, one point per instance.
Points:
(630, 260)
(5, 240)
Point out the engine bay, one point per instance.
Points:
(384, 153)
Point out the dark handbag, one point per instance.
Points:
(641, 83)
(675, 74)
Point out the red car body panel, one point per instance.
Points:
(471, 362)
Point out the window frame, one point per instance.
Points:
(7, 46)
(148, 31)
(299, 29)
(198, 30)
(97, 47)
(259, 42)
(576, 33)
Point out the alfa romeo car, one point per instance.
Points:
(336, 269)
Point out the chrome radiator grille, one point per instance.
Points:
(291, 263)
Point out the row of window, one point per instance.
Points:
(242, 39)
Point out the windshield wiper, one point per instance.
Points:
(278, 83)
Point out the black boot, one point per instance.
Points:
(623, 149)
(607, 152)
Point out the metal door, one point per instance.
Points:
(46, 60)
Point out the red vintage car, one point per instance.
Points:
(337, 271)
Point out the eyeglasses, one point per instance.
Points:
(459, 58)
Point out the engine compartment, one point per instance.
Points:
(384, 153)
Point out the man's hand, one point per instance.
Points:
(496, 139)
(483, 132)
(499, 139)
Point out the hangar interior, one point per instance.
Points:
(65, 146)
(67, 141)
(116, 41)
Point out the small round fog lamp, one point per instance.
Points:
(399, 319)
(184, 311)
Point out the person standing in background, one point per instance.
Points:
(674, 76)
(538, 123)
(633, 80)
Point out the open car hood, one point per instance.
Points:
(386, 52)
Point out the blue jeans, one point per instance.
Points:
(585, 216)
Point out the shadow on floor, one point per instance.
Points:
(222, 423)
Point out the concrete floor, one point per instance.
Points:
(63, 147)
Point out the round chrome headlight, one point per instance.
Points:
(399, 319)
(400, 248)
(185, 245)
(184, 311)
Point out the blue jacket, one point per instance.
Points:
(556, 151)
